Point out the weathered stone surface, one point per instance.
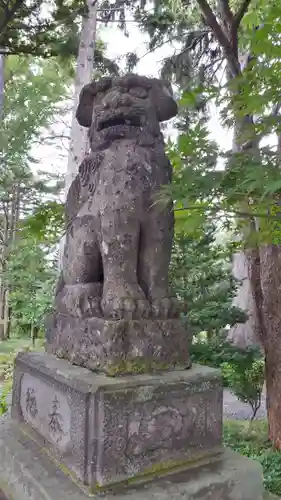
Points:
(108, 430)
(27, 473)
(120, 346)
(118, 235)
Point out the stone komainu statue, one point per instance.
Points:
(113, 311)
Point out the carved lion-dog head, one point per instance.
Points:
(116, 107)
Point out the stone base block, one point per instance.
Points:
(118, 347)
(110, 430)
(27, 473)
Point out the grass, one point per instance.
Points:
(14, 344)
(8, 351)
(252, 441)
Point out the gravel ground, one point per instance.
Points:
(234, 409)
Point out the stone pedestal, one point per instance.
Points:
(110, 430)
(75, 434)
(118, 347)
(27, 472)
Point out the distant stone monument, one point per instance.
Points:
(114, 406)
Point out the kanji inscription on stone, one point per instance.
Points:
(46, 410)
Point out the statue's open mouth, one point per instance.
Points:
(115, 121)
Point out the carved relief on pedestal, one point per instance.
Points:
(159, 429)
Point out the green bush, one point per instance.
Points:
(252, 441)
(6, 372)
(242, 369)
(5, 390)
(217, 351)
(6, 365)
(246, 381)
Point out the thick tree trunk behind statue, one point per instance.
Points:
(264, 264)
(265, 276)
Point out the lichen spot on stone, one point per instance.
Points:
(145, 393)
(104, 248)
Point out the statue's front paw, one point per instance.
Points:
(113, 308)
(166, 307)
(131, 304)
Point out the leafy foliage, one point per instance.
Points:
(34, 92)
(7, 360)
(45, 223)
(200, 274)
(31, 274)
(48, 29)
(253, 442)
(44, 29)
(245, 378)
(242, 369)
(4, 396)
(36, 28)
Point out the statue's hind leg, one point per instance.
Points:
(82, 269)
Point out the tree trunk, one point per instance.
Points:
(84, 70)
(270, 279)
(270, 276)
(10, 220)
(2, 83)
(79, 143)
(4, 243)
(243, 334)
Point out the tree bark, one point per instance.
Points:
(79, 143)
(84, 70)
(270, 278)
(2, 83)
(10, 220)
(3, 297)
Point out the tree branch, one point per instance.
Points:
(220, 35)
(275, 110)
(10, 14)
(231, 212)
(227, 11)
(241, 12)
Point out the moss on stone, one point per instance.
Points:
(60, 465)
(137, 366)
(159, 470)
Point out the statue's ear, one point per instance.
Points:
(161, 94)
(84, 110)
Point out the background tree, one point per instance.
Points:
(35, 91)
(248, 187)
(228, 53)
(31, 273)
(39, 28)
(201, 276)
